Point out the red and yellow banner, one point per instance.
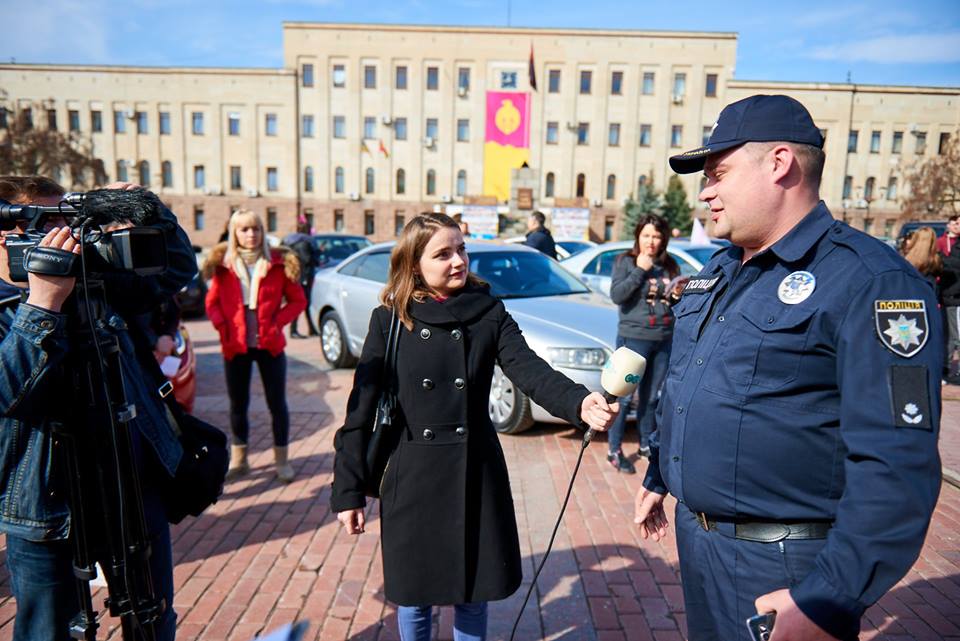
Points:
(507, 142)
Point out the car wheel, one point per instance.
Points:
(333, 341)
(509, 408)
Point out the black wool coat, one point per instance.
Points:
(448, 530)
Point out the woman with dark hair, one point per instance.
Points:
(447, 525)
(643, 285)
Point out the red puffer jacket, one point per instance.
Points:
(279, 302)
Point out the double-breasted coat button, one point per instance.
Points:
(427, 384)
(461, 431)
(428, 435)
(424, 333)
(459, 383)
(456, 334)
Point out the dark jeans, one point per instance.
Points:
(273, 373)
(657, 354)
(307, 289)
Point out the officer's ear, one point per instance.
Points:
(783, 165)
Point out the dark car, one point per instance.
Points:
(938, 226)
(191, 298)
(334, 248)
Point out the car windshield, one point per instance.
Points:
(519, 274)
(702, 254)
(574, 246)
(336, 248)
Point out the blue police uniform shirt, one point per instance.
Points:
(805, 385)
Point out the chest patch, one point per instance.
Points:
(700, 285)
(901, 325)
(796, 287)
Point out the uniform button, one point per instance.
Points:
(461, 431)
(770, 320)
(676, 459)
(427, 384)
(721, 318)
(680, 410)
(424, 333)
(428, 435)
(459, 383)
(699, 361)
(456, 334)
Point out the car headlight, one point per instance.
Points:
(577, 357)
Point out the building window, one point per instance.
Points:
(270, 125)
(432, 128)
(96, 121)
(611, 187)
(369, 127)
(549, 185)
(461, 182)
(369, 77)
(868, 225)
(307, 126)
(868, 189)
(508, 79)
(119, 122)
(368, 222)
(236, 178)
(122, 170)
(583, 133)
(711, 88)
(705, 137)
(581, 185)
(679, 85)
(852, 141)
(888, 227)
(198, 218)
(339, 76)
(400, 77)
(199, 177)
(369, 183)
(233, 124)
(401, 182)
(73, 119)
(892, 188)
(648, 81)
(616, 83)
(645, 135)
(52, 119)
(166, 174)
(143, 171)
(431, 182)
(308, 179)
(400, 129)
(339, 127)
(553, 132)
(553, 81)
(463, 78)
(338, 180)
(271, 219)
(271, 179)
(306, 74)
(586, 80)
(608, 228)
(399, 222)
(642, 183)
(847, 187)
(3, 118)
(897, 146)
(874, 142)
(337, 220)
(613, 137)
(27, 117)
(942, 146)
(676, 136)
(823, 133)
(921, 145)
(433, 78)
(142, 125)
(196, 118)
(463, 130)
(164, 125)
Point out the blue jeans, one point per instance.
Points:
(469, 622)
(657, 354)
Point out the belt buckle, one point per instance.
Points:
(702, 520)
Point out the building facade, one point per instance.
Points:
(368, 125)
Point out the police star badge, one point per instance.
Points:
(901, 325)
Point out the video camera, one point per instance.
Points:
(138, 249)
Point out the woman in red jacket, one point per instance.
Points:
(253, 293)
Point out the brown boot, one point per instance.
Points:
(285, 471)
(238, 462)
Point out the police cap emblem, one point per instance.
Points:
(901, 325)
(796, 287)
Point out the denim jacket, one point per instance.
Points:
(32, 350)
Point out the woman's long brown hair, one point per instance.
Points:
(922, 251)
(404, 283)
(663, 258)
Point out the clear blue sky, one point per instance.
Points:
(877, 41)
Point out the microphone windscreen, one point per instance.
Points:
(622, 372)
(138, 206)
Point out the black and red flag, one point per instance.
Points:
(532, 70)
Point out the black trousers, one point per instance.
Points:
(311, 327)
(273, 373)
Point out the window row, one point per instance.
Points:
(645, 137)
(400, 184)
(896, 142)
(867, 191)
(143, 176)
(140, 121)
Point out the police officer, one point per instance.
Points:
(799, 417)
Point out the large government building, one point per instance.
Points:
(367, 125)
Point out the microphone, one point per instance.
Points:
(620, 376)
(103, 206)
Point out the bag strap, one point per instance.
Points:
(390, 357)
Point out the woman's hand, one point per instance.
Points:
(353, 520)
(644, 260)
(597, 413)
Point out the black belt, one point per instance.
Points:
(766, 532)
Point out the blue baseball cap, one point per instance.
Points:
(754, 119)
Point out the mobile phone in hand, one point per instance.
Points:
(761, 626)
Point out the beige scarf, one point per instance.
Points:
(250, 267)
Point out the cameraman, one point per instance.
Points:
(33, 510)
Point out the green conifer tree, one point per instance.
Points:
(675, 208)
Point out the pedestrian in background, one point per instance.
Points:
(950, 296)
(254, 292)
(920, 250)
(643, 286)
(539, 237)
(948, 241)
(303, 245)
(448, 529)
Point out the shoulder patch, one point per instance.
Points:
(911, 397)
(698, 285)
(901, 325)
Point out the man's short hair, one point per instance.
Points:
(28, 188)
(952, 218)
(810, 158)
(539, 217)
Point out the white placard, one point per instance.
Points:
(569, 223)
(482, 219)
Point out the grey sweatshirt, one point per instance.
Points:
(645, 310)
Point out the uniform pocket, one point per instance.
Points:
(782, 342)
(688, 318)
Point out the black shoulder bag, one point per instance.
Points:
(383, 437)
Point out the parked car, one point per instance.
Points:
(565, 248)
(185, 380)
(335, 247)
(563, 321)
(907, 228)
(594, 266)
(191, 298)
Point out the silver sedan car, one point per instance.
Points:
(568, 325)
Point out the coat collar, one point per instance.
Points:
(466, 305)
